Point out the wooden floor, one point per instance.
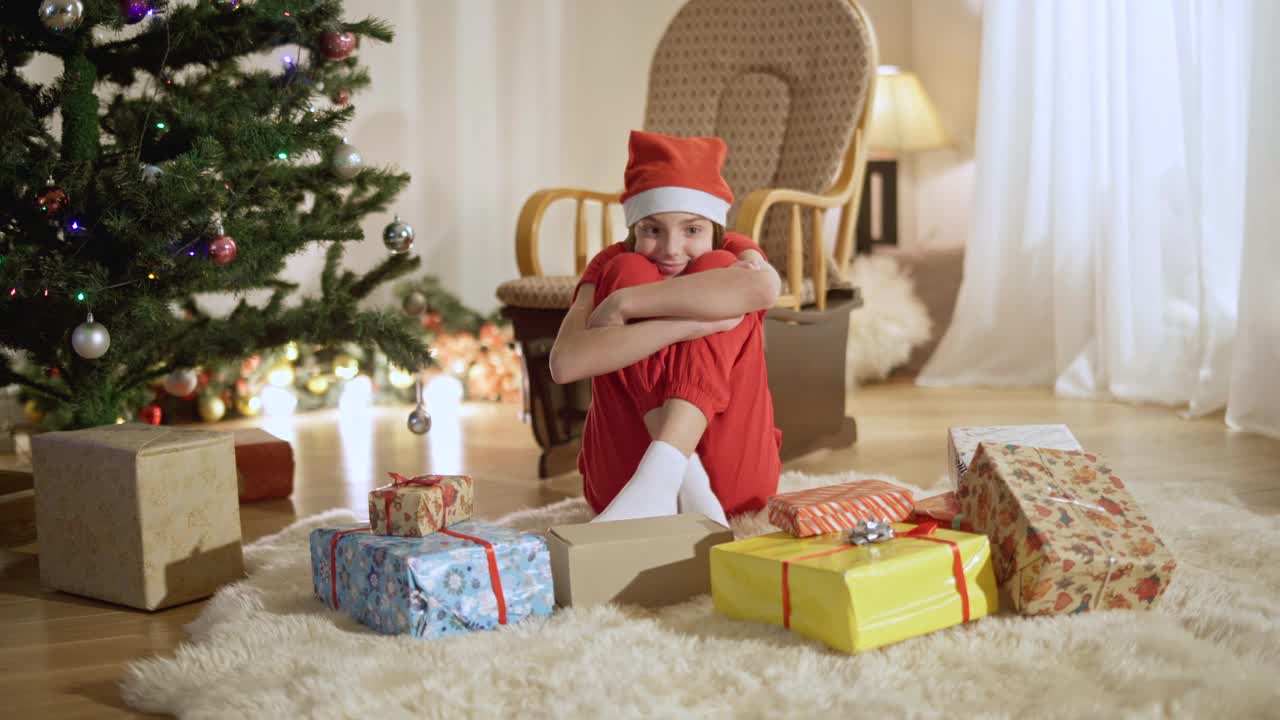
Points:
(62, 656)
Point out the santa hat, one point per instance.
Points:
(675, 174)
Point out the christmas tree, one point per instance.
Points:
(181, 165)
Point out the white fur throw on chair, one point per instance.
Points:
(890, 324)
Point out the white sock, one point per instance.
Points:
(651, 492)
(696, 495)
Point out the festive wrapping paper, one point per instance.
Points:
(421, 505)
(264, 465)
(137, 515)
(855, 598)
(962, 442)
(473, 576)
(1067, 534)
(833, 508)
(944, 508)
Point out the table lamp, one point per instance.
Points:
(903, 121)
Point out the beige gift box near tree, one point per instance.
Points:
(137, 515)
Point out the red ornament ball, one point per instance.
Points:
(341, 97)
(151, 414)
(52, 201)
(336, 45)
(222, 249)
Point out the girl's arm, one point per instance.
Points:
(753, 284)
(580, 352)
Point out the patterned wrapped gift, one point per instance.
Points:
(421, 505)
(856, 597)
(137, 515)
(473, 576)
(944, 508)
(962, 442)
(833, 508)
(1067, 535)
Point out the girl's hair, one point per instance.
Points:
(717, 237)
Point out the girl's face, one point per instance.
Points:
(672, 240)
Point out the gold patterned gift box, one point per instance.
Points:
(856, 597)
(137, 515)
(418, 506)
(1067, 535)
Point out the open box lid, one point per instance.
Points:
(621, 531)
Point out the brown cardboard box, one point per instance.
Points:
(264, 465)
(648, 562)
(137, 515)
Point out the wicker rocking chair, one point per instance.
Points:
(789, 87)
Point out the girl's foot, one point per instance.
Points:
(696, 495)
(652, 490)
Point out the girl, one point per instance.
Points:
(668, 324)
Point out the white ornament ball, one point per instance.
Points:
(419, 422)
(90, 339)
(151, 174)
(347, 162)
(61, 15)
(181, 383)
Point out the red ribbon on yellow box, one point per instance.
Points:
(919, 532)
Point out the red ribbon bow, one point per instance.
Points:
(419, 480)
(923, 531)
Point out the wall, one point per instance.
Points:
(941, 41)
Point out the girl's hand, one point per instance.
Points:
(749, 264)
(608, 313)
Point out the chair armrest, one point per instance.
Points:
(530, 221)
(750, 221)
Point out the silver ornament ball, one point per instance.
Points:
(61, 15)
(347, 162)
(415, 303)
(90, 339)
(419, 422)
(398, 236)
(151, 174)
(181, 382)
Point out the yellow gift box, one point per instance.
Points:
(857, 597)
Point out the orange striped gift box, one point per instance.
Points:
(834, 508)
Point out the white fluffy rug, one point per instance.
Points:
(891, 323)
(267, 648)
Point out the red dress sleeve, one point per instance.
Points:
(591, 275)
(738, 243)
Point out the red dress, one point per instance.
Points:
(724, 375)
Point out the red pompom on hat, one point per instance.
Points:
(674, 174)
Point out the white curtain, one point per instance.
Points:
(1109, 235)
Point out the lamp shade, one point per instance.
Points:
(903, 119)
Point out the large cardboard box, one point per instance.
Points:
(137, 515)
(962, 442)
(648, 562)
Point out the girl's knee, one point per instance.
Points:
(628, 269)
(714, 260)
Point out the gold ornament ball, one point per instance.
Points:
(318, 385)
(249, 405)
(31, 409)
(281, 374)
(211, 408)
(345, 367)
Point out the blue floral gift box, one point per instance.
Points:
(471, 576)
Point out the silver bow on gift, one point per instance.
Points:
(870, 531)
